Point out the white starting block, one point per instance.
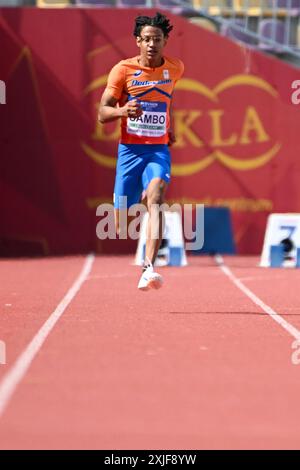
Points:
(172, 252)
(282, 242)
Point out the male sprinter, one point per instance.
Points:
(139, 91)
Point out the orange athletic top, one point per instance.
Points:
(153, 87)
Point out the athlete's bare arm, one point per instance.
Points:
(109, 111)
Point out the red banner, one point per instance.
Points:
(237, 129)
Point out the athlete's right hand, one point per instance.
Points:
(132, 109)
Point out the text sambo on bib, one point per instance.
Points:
(152, 123)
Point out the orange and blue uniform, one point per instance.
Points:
(143, 150)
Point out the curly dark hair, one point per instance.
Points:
(158, 21)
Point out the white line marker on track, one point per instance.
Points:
(18, 371)
(274, 315)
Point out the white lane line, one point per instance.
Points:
(266, 308)
(18, 371)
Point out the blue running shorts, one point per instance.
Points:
(137, 165)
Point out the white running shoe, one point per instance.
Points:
(150, 280)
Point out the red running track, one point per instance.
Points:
(196, 365)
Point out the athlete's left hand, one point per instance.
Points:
(172, 138)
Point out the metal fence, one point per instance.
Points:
(270, 25)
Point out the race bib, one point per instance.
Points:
(152, 123)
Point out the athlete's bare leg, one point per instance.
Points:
(155, 196)
(122, 222)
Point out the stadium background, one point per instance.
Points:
(237, 129)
